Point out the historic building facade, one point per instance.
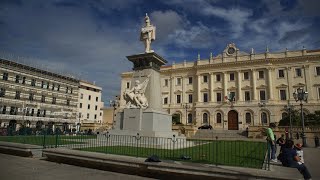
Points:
(33, 97)
(236, 89)
(90, 105)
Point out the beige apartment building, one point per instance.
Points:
(36, 98)
(236, 89)
(90, 106)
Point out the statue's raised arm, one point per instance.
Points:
(148, 34)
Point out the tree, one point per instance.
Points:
(311, 119)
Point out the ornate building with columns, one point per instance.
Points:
(36, 98)
(235, 89)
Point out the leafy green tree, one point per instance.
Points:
(312, 119)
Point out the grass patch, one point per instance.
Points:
(48, 140)
(232, 153)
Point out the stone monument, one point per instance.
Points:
(143, 113)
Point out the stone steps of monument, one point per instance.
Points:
(221, 134)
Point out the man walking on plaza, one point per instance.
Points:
(271, 141)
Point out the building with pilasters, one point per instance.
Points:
(235, 89)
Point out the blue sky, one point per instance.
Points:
(91, 38)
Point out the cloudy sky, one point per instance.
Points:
(91, 38)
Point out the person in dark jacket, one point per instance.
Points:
(290, 158)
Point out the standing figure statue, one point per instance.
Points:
(148, 34)
(135, 97)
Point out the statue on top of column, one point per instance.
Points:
(148, 34)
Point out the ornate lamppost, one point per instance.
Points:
(301, 95)
(186, 106)
(289, 108)
(114, 104)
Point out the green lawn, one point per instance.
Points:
(233, 153)
(48, 140)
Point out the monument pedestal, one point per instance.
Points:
(149, 123)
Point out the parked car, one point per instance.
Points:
(205, 127)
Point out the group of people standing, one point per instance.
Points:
(291, 155)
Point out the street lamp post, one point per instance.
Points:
(289, 107)
(114, 104)
(186, 106)
(301, 95)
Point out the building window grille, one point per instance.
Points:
(205, 118)
(33, 82)
(24, 80)
(97, 99)
(298, 72)
(248, 118)
(178, 99)
(219, 118)
(219, 97)
(281, 73)
(38, 113)
(218, 77)
(4, 110)
(80, 105)
(88, 115)
(189, 118)
(261, 74)
(95, 116)
(246, 75)
(32, 112)
(262, 95)
(165, 100)
(205, 97)
(283, 95)
(247, 95)
(17, 95)
(89, 97)
(88, 106)
(190, 98)
(318, 71)
(190, 80)
(178, 81)
(231, 76)
(31, 96)
(42, 84)
(96, 107)
(54, 100)
(205, 79)
(5, 76)
(53, 86)
(43, 98)
(166, 82)
(264, 118)
(2, 92)
(17, 79)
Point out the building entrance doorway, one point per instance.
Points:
(233, 120)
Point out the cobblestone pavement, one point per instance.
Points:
(20, 168)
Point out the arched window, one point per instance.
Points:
(284, 115)
(264, 118)
(189, 118)
(205, 118)
(219, 118)
(248, 118)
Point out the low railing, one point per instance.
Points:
(216, 151)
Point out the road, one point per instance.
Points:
(20, 168)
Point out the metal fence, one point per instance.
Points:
(215, 151)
